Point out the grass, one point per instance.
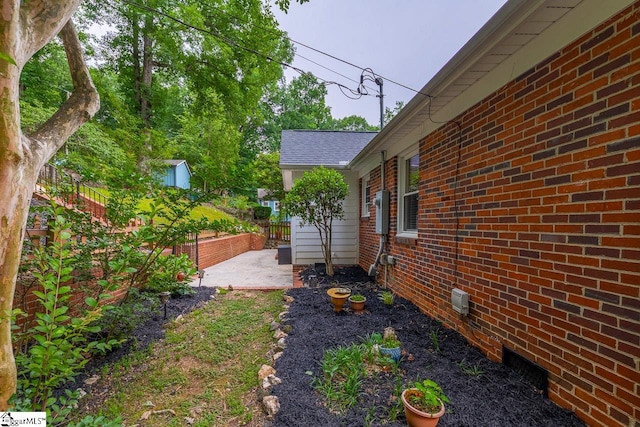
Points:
(202, 211)
(206, 367)
(344, 371)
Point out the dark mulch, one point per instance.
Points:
(499, 397)
(144, 334)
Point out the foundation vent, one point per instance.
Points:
(534, 374)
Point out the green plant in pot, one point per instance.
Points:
(389, 345)
(357, 302)
(424, 403)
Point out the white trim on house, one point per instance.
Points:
(366, 194)
(402, 172)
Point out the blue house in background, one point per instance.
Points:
(177, 175)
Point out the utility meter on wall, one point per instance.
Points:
(381, 203)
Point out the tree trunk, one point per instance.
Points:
(24, 29)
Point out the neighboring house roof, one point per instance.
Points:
(178, 162)
(520, 35)
(321, 147)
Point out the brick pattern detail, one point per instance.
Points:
(539, 220)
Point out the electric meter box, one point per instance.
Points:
(381, 203)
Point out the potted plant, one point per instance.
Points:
(390, 345)
(357, 302)
(424, 403)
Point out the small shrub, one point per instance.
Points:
(262, 212)
(387, 297)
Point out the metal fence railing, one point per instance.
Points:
(61, 185)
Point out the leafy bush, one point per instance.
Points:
(262, 212)
(171, 273)
(56, 347)
(119, 322)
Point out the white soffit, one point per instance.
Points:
(527, 32)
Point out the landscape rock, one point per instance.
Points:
(271, 405)
(270, 381)
(265, 371)
(92, 380)
(288, 299)
(279, 334)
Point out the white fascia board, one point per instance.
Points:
(564, 31)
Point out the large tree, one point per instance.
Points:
(25, 27)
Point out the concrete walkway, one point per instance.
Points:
(250, 270)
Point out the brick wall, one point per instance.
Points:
(211, 251)
(539, 220)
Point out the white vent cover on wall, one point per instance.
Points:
(460, 301)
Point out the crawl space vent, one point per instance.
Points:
(534, 374)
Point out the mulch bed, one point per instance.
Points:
(145, 334)
(498, 397)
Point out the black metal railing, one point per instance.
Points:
(60, 184)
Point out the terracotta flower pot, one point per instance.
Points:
(338, 297)
(417, 418)
(357, 305)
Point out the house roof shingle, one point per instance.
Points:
(321, 147)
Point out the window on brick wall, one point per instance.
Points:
(366, 196)
(408, 180)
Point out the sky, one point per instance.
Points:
(407, 41)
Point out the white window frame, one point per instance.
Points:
(366, 206)
(402, 183)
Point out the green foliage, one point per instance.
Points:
(266, 171)
(316, 198)
(435, 343)
(343, 371)
(100, 421)
(428, 397)
(262, 212)
(119, 322)
(353, 123)
(469, 369)
(55, 347)
(167, 275)
(357, 298)
(387, 297)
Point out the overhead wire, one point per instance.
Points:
(362, 69)
(355, 94)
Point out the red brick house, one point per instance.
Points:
(514, 177)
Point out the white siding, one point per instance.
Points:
(305, 241)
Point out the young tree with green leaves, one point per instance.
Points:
(316, 198)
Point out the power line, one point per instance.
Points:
(231, 42)
(330, 56)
